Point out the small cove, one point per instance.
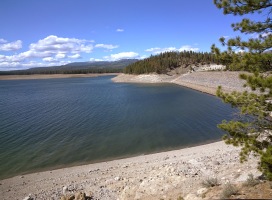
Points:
(63, 122)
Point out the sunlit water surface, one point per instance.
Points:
(47, 124)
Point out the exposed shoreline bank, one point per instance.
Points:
(154, 176)
(206, 82)
(51, 76)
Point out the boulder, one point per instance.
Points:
(68, 197)
(80, 196)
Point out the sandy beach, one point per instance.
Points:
(166, 175)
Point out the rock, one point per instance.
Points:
(166, 158)
(80, 196)
(216, 162)
(68, 197)
(28, 197)
(117, 178)
(90, 194)
(64, 190)
(201, 191)
(191, 197)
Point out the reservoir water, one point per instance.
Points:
(52, 123)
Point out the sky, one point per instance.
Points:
(37, 33)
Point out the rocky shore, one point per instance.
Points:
(166, 175)
(202, 81)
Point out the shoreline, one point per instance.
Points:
(128, 156)
(166, 174)
(206, 82)
(51, 76)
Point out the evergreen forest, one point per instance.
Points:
(164, 62)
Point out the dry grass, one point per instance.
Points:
(228, 191)
(262, 190)
(210, 182)
(251, 181)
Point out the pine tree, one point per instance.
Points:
(166, 61)
(252, 130)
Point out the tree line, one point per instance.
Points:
(61, 71)
(166, 61)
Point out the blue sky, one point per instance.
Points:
(38, 33)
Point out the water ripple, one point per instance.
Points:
(56, 122)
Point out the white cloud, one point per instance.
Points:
(158, 50)
(188, 48)
(266, 34)
(60, 55)
(75, 56)
(53, 46)
(106, 46)
(13, 58)
(95, 59)
(143, 57)
(57, 45)
(31, 54)
(42, 64)
(122, 55)
(3, 40)
(83, 48)
(6, 66)
(48, 59)
(48, 50)
(11, 46)
(120, 30)
(262, 35)
(240, 51)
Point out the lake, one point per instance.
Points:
(52, 123)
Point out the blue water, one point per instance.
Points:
(51, 123)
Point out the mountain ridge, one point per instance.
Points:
(77, 67)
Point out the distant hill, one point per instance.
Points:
(77, 68)
(120, 64)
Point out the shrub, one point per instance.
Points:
(229, 190)
(210, 182)
(251, 181)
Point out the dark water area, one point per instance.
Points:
(52, 123)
